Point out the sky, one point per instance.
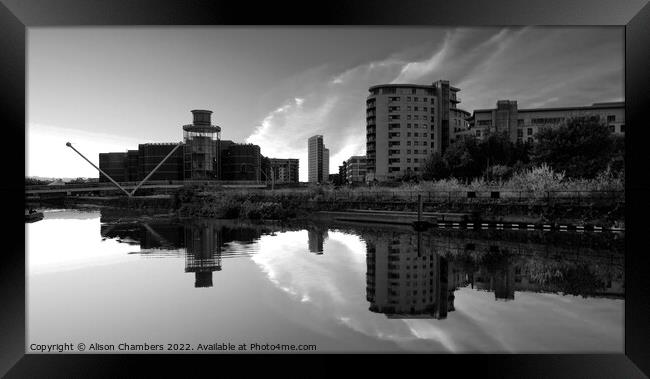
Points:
(111, 88)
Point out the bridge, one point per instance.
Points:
(161, 185)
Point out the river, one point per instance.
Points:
(112, 281)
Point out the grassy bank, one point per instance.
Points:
(534, 194)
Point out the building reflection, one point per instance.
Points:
(315, 239)
(202, 251)
(406, 279)
(415, 275)
(202, 242)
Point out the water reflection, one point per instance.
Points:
(201, 241)
(415, 275)
(341, 286)
(316, 237)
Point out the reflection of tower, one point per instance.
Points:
(404, 281)
(203, 252)
(315, 239)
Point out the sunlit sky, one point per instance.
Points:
(111, 88)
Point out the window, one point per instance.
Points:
(520, 122)
(415, 152)
(408, 125)
(530, 132)
(408, 98)
(530, 139)
(408, 134)
(413, 90)
(424, 126)
(408, 152)
(520, 133)
(478, 133)
(424, 109)
(424, 134)
(611, 118)
(408, 143)
(394, 98)
(415, 109)
(415, 99)
(424, 151)
(415, 117)
(408, 117)
(416, 126)
(424, 143)
(415, 143)
(623, 128)
(416, 134)
(386, 91)
(408, 108)
(393, 117)
(611, 128)
(415, 160)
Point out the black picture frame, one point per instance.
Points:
(17, 15)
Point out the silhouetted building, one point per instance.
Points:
(241, 162)
(202, 156)
(113, 164)
(151, 154)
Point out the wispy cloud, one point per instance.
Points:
(536, 66)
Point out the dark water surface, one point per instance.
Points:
(101, 277)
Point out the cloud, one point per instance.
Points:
(536, 66)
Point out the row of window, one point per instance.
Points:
(397, 169)
(408, 134)
(414, 99)
(414, 117)
(408, 160)
(408, 143)
(409, 109)
(397, 125)
(408, 152)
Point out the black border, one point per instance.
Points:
(16, 15)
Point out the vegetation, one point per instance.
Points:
(582, 148)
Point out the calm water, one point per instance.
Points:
(100, 277)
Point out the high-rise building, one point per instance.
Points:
(318, 160)
(523, 124)
(406, 123)
(326, 164)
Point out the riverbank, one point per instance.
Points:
(603, 208)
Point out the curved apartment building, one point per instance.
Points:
(407, 123)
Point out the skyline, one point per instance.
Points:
(278, 88)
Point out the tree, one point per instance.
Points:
(582, 147)
(435, 168)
